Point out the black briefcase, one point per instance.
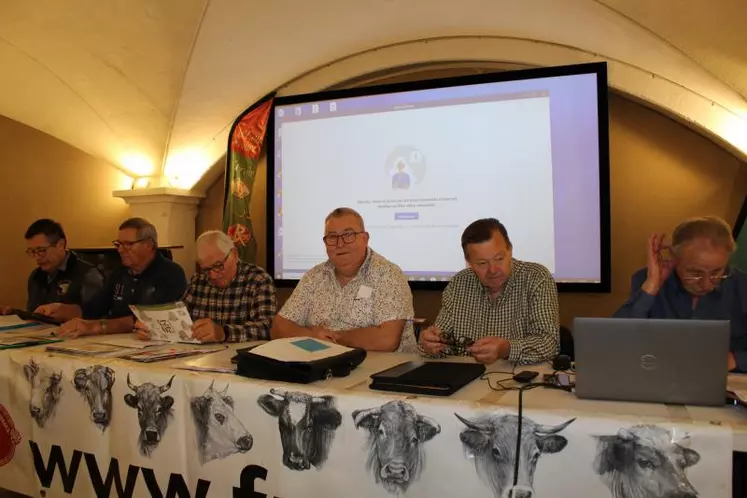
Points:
(256, 366)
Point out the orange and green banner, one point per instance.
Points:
(244, 148)
(739, 258)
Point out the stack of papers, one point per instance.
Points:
(89, 349)
(130, 342)
(218, 363)
(8, 341)
(150, 356)
(13, 323)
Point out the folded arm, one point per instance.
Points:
(282, 327)
(385, 337)
(291, 320)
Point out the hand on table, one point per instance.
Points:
(206, 330)
(489, 349)
(51, 310)
(732, 362)
(6, 310)
(324, 334)
(77, 327)
(431, 340)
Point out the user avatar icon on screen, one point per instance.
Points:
(401, 179)
(405, 167)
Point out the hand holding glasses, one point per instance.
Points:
(457, 345)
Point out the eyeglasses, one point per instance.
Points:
(126, 244)
(458, 345)
(217, 267)
(37, 251)
(715, 279)
(347, 238)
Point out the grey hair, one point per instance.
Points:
(219, 239)
(712, 228)
(346, 211)
(145, 229)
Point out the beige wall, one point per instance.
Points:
(45, 177)
(661, 172)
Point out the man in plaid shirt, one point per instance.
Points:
(499, 307)
(229, 300)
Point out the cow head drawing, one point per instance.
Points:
(46, 390)
(645, 461)
(219, 432)
(395, 443)
(307, 426)
(154, 410)
(492, 442)
(95, 385)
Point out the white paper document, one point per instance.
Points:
(299, 349)
(166, 322)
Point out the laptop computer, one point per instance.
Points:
(661, 361)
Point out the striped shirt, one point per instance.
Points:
(525, 313)
(245, 308)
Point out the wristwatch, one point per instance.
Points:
(104, 326)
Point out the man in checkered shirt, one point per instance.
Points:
(229, 300)
(357, 298)
(499, 307)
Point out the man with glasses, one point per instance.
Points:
(497, 308)
(692, 280)
(60, 277)
(145, 277)
(229, 300)
(356, 298)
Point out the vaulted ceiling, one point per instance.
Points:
(153, 86)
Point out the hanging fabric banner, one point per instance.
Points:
(244, 147)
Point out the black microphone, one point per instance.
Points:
(561, 363)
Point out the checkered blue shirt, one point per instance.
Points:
(245, 308)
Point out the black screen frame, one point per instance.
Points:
(597, 68)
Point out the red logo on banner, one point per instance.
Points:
(9, 437)
(240, 234)
(249, 134)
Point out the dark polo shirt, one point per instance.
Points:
(74, 282)
(163, 281)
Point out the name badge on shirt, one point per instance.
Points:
(364, 292)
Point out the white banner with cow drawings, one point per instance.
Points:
(71, 427)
